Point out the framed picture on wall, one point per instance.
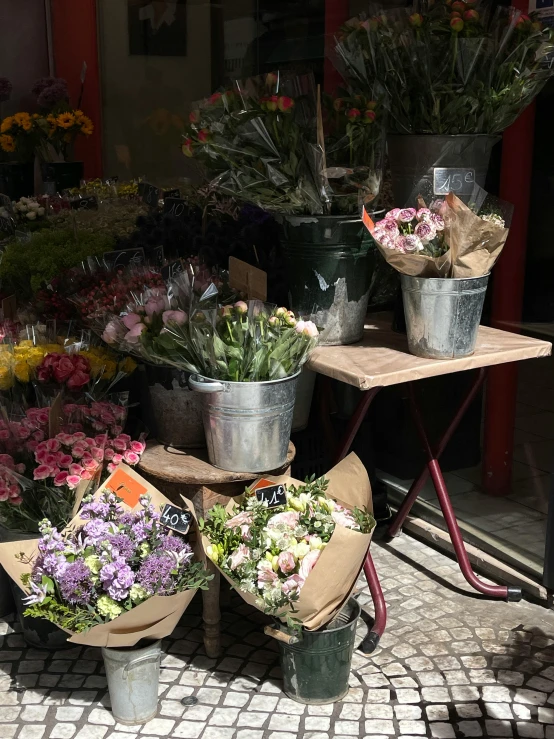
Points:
(157, 27)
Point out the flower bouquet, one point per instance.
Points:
(448, 67)
(20, 134)
(116, 574)
(297, 561)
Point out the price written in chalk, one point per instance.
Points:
(88, 203)
(174, 207)
(273, 495)
(171, 270)
(453, 179)
(176, 518)
(124, 258)
(150, 194)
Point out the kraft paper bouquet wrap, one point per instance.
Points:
(447, 239)
(274, 559)
(116, 596)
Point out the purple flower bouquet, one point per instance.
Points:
(116, 574)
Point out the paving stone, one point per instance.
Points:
(380, 727)
(468, 710)
(528, 729)
(63, 731)
(530, 697)
(442, 731)
(496, 694)
(252, 718)
(282, 722)
(546, 715)
(437, 712)
(470, 728)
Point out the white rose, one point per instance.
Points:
(31, 215)
(33, 205)
(41, 211)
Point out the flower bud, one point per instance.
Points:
(416, 20)
(369, 116)
(353, 114)
(241, 307)
(285, 104)
(456, 24)
(471, 15)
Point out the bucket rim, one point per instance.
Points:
(297, 219)
(249, 384)
(126, 651)
(444, 279)
(353, 602)
(454, 136)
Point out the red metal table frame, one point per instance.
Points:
(432, 468)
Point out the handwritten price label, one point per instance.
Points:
(176, 518)
(174, 206)
(453, 179)
(88, 203)
(273, 495)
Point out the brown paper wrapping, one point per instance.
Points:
(154, 619)
(475, 245)
(382, 358)
(335, 573)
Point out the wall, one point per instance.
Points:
(146, 99)
(23, 49)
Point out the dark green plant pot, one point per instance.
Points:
(329, 262)
(61, 176)
(317, 668)
(17, 180)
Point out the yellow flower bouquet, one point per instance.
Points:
(20, 134)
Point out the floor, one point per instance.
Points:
(451, 664)
(517, 522)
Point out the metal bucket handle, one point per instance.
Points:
(144, 658)
(208, 386)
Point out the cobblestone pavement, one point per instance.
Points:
(451, 664)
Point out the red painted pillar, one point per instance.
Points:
(75, 40)
(507, 303)
(336, 13)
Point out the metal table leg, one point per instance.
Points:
(372, 639)
(433, 468)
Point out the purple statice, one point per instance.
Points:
(44, 82)
(122, 545)
(75, 583)
(171, 543)
(117, 579)
(52, 96)
(5, 89)
(155, 574)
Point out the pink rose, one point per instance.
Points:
(134, 334)
(4, 494)
(425, 231)
(52, 445)
(18, 500)
(265, 573)
(131, 458)
(78, 380)
(239, 556)
(42, 472)
(7, 461)
(286, 562)
(175, 316)
(87, 475)
(344, 518)
(413, 243)
(112, 467)
(75, 469)
(72, 481)
(89, 463)
(154, 305)
(130, 320)
(288, 518)
(112, 332)
(108, 453)
(63, 370)
(437, 221)
(423, 214)
(308, 563)
(60, 479)
(64, 460)
(406, 215)
(393, 214)
(117, 459)
(119, 445)
(44, 374)
(138, 447)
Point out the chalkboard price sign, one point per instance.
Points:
(174, 207)
(155, 255)
(172, 269)
(176, 193)
(124, 257)
(176, 518)
(273, 495)
(88, 203)
(458, 180)
(149, 194)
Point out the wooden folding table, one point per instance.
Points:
(382, 359)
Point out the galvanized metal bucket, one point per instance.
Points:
(303, 403)
(247, 424)
(443, 315)
(317, 668)
(133, 678)
(330, 261)
(173, 412)
(414, 159)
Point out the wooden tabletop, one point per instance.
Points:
(191, 466)
(382, 357)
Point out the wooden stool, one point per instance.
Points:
(177, 472)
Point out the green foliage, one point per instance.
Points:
(26, 267)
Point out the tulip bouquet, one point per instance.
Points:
(111, 563)
(259, 139)
(276, 556)
(448, 67)
(354, 150)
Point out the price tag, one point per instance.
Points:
(88, 203)
(176, 193)
(149, 194)
(171, 270)
(458, 180)
(176, 518)
(124, 258)
(7, 225)
(125, 487)
(154, 255)
(175, 207)
(273, 495)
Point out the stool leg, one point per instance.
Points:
(211, 614)
(371, 641)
